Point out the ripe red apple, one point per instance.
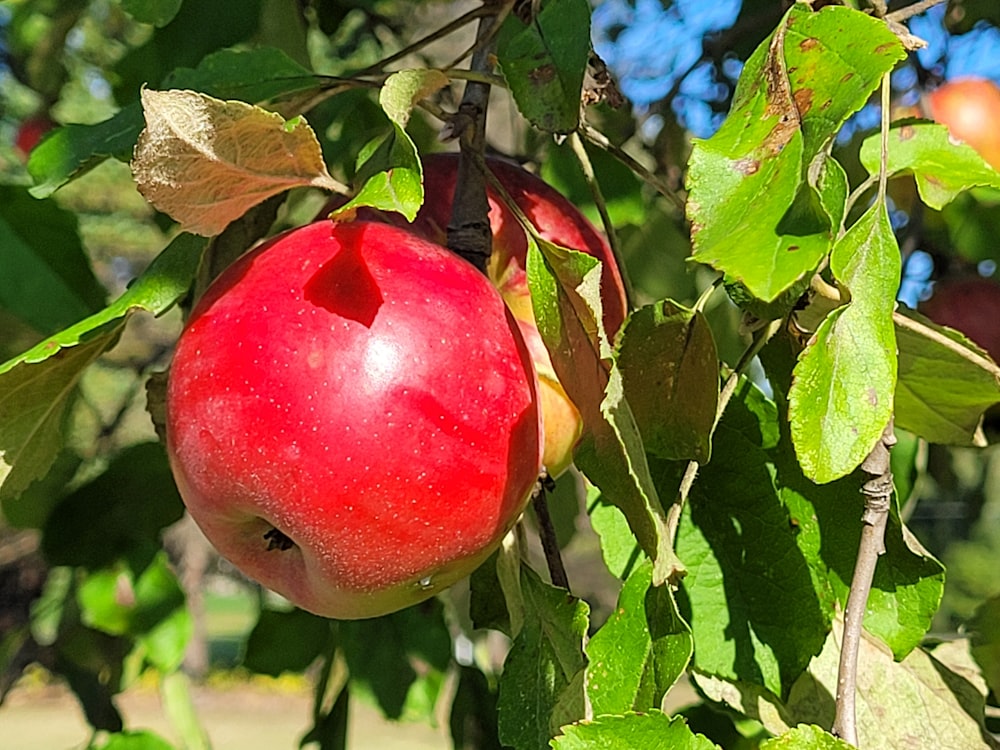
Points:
(970, 107)
(970, 304)
(352, 417)
(558, 221)
(30, 133)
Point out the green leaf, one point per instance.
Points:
(249, 75)
(908, 583)
(36, 387)
(404, 90)
(487, 606)
(941, 166)
(945, 382)
(192, 162)
(641, 651)
(73, 150)
(155, 12)
(842, 394)
(43, 259)
(950, 706)
(631, 731)
(117, 601)
(391, 175)
(973, 224)
(755, 211)
(399, 661)
(133, 740)
(670, 372)
(178, 705)
(286, 641)
(541, 687)
(745, 568)
(618, 544)
(806, 737)
(121, 513)
(473, 716)
(391, 178)
(565, 297)
(835, 59)
(984, 631)
(164, 645)
(544, 61)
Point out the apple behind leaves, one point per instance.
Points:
(557, 220)
(970, 304)
(30, 132)
(352, 417)
(970, 107)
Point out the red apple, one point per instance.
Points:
(558, 221)
(30, 133)
(970, 304)
(361, 399)
(970, 107)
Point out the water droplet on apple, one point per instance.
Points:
(426, 583)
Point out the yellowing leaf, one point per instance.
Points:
(404, 90)
(205, 161)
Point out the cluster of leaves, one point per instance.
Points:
(728, 515)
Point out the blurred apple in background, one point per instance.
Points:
(970, 304)
(970, 107)
(30, 132)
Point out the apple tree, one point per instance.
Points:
(702, 424)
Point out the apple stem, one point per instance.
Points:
(547, 531)
(469, 233)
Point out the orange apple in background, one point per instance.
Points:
(560, 222)
(970, 304)
(352, 417)
(970, 107)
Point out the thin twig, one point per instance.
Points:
(599, 139)
(761, 337)
(500, 11)
(968, 354)
(451, 26)
(469, 232)
(602, 207)
(883, 170)
(547, 531)
(878, 495)
(909, 11)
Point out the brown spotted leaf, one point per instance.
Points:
(762, 207)
(544, 59)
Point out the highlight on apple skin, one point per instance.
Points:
(970, 107)
(558, 221)
(353, 418)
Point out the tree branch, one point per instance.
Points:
(469, 233)
(878, 495)
(547, 532)
(580, 151)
